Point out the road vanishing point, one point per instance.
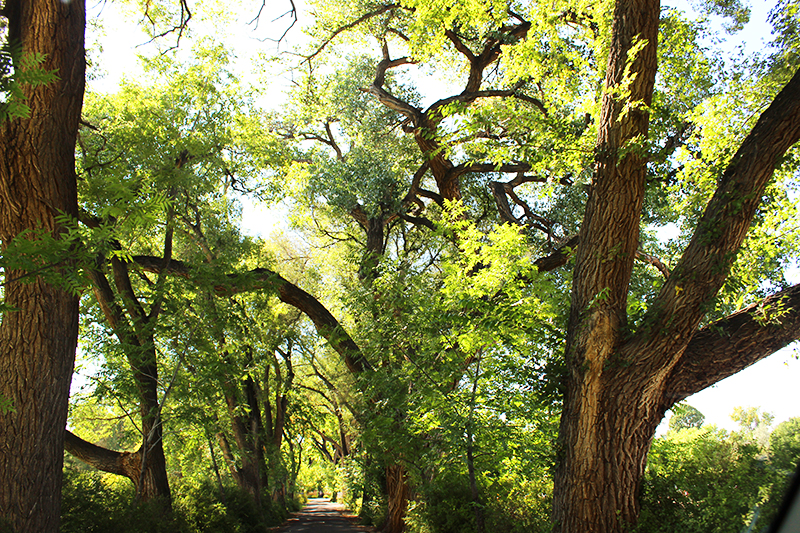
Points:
(320, 515)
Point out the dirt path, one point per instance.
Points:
(322, 516)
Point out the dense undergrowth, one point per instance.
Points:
(99, 503)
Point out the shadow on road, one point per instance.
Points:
(322, 516)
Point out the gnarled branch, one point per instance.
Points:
(264, 279)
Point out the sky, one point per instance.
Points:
(771, 384)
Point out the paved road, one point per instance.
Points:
(322, 516)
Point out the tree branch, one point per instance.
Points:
(706, 262)
(559, 258)
(468, 97)
(350, 25)
(101, 458)
(655, 261)
(264, 279)
(727, 346)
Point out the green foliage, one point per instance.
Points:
(208, 509)
(734, 10)
(60, 257)
(705, 479)
(684, 416)
(6, 405)
(463, 332)
(512, 499)
(95, 503)
(19, 69)
(701, 480)
(784, 445)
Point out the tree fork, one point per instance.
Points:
(599, 456)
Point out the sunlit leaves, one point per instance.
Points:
(18, 69)
(492, 276)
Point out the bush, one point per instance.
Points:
(206, 510)
(701, 480)
(94, 502)
(518, 505)
(448, 505)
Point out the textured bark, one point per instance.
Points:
(727, 346)
(599, 456)
(37, 342)
(397, 494)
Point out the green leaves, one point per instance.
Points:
(6, 405)
(19, 68)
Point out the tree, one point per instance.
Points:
(784, 445)
(150, 167)
(685, 416)
(598, 157)
(38, 202)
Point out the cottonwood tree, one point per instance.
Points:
(38, 204)
(564, 97)
(156, 170)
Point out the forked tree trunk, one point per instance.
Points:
(134, 329)
(128, 464)
(37, 342)
(147, 467)
(602, 446)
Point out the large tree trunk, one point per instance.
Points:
(37, 342)
(601, 457)
(247, 432)
(620, 384)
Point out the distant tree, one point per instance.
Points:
(751, 418)
(684, 416)
(756, 424)
(784, 445)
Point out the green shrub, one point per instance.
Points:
(95, 502)
(519, 505)
(207, 510)
(701, 480)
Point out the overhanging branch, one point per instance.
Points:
(349, 26)
(264, 279)
(727, 346)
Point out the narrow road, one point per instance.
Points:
(322, 516)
